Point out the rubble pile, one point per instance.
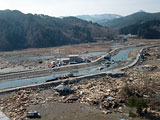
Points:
(103, 93)
(137, 82)
(152, 53)
(16, 105)
(4, 63)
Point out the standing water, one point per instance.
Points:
(121, 56)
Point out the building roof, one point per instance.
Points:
(62, 59)
(73, 55)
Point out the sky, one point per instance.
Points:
(80, 7)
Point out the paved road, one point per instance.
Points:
(33, 73)
(24, 74)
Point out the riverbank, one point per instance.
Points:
(35, 59)
(76, 70)
(29, 59)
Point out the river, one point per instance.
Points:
(121, 56)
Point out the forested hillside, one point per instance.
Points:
(136, 18)
(19, 31)
(148, 30)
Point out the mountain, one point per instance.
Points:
(141, 11)
(19, 31)
(148, 30)
(99, 18)
(136, 18)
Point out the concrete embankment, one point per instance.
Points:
(45, 72)
(137, 57)
(71, 80)
(53, 83)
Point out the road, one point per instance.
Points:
(45, 72)
(35, 73)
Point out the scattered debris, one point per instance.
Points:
(149, 67)
(50, 98)
(16, 105)
(71, 98)
(61, 77)
(123, 119)
(106, 112)
(100, 68)
(103, 92)
(116, 73)
(110, 98)
(107, 57)
(63, 90)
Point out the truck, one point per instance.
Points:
(34, 114)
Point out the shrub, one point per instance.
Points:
(138, 103)
(131, 114)
(126, 92)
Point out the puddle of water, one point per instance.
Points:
(121, 56)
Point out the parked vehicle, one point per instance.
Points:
(34, 114)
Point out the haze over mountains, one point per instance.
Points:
(19, 31)
(116, 22)
(136, 18)
(99, 18)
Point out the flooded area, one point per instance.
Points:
(121, 56)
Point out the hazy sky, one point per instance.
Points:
(79, 7)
